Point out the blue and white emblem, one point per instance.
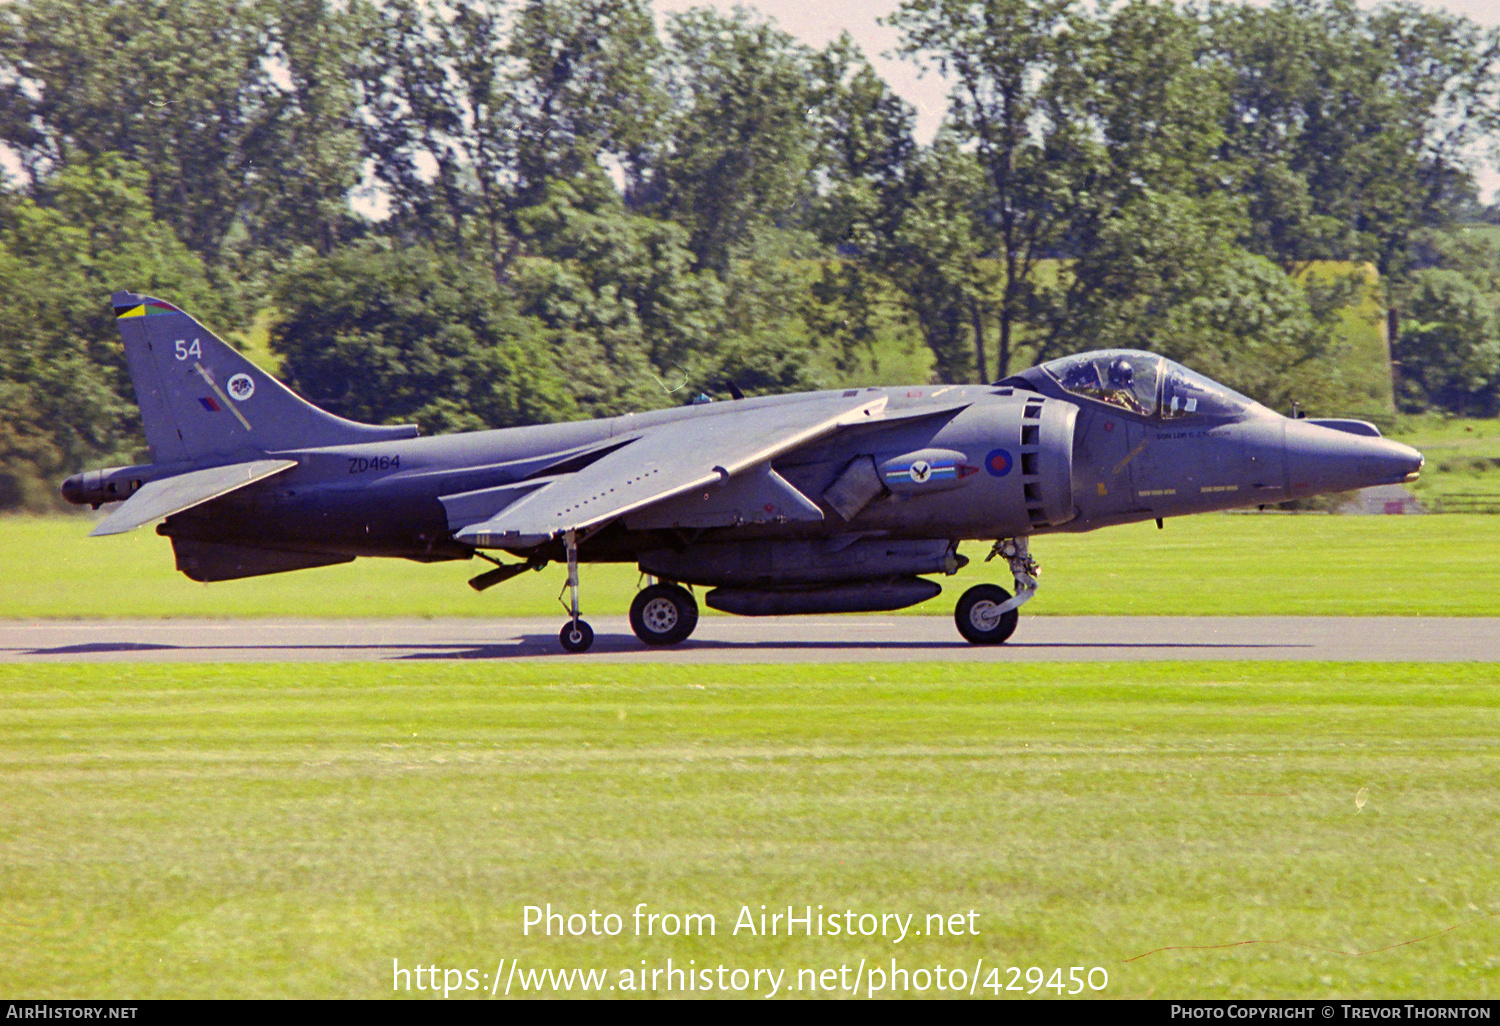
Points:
(922, 471)
(926, 470)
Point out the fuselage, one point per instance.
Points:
(1032, 455)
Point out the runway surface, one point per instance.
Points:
(769, 640)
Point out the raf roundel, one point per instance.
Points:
(998, 462)
(242, 387)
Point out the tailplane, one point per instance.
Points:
(200, 398)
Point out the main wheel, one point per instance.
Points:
(576, 636)
(979, 619)
(663, 614)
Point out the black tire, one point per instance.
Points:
(576, 636)
(663, 614)
(976, 619)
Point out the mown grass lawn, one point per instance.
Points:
(1463, 457)
(258, 831)
(1230, 564)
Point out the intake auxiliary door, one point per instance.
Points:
(1103, 472)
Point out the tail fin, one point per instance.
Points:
(201, 398)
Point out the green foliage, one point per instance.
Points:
(1353, 129)
(870, 159)
(764, 350)
(236, 112)
(65, 399)
(412, 336)
(866, 149)
(633, 321)
(739, 147)
(619, 296)
(1165, 275)
(1009, 102)
(586, 85)
(934, 257)
(1449, 347)
(471, 113)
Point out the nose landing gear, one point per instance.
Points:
(986, 613)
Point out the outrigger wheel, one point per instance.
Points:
(663, 614)
(576, 636)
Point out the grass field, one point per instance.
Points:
(1463, 456)
(259, 831)
(1232, 564)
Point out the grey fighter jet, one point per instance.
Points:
(823, 502)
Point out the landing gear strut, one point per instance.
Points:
(576, 636)
(986, 613)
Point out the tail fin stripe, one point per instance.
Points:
(223, 399)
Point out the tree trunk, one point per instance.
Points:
(977, 319)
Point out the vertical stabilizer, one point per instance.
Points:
(200, 398)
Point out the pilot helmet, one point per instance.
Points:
(1121, 374)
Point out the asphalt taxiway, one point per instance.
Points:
(721, 639)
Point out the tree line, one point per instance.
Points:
(483, 213)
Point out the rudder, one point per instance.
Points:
(200, 398)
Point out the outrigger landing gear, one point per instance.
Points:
(576, 636)
(986, 613)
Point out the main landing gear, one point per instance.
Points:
(663, 614)
(986, 614)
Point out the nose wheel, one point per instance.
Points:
(980, 618)
(987, 614)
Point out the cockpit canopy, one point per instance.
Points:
(1140, 383)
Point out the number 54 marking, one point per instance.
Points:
(186, 349)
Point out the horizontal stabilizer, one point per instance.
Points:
(168, 495)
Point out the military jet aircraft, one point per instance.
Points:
(839, 501)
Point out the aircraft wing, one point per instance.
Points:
(168, 495)
(672, 459)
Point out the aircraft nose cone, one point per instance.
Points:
(1321, 460)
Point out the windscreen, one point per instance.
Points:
(1187, 393)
